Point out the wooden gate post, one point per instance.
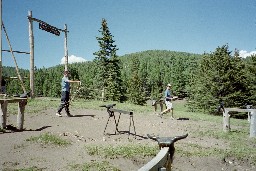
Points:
(226, 121)
(32, 60)
(3, 115)
(253, 124)
(20, 116)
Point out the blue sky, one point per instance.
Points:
(194, 26)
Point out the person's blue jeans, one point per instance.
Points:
(64, 102)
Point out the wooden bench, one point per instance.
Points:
(251, 118)
(111, 111)
(21, 108)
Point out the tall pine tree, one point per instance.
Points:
(108, 65)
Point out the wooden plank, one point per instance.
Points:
(239, 110)
(157, 162)
(121, 111)
(12, 100)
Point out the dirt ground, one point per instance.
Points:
(86, 128)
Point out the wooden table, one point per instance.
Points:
(21, 108)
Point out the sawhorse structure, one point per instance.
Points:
(161, 103)
(111, 111)
(156, 102)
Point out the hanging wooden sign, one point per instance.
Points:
(49, 28)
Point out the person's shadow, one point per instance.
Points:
(12, 128)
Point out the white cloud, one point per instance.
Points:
(244, 53)
(73, 59)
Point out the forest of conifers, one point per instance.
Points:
(204, 80)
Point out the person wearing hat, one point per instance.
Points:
(168, 100)
(65, 90)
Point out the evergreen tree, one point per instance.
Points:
(109, 72)
(221, 77)
(251, 80)
(114, 83)
(178, 79)
(238, 92)
(135, 88)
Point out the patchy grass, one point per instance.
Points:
(238, 151)
(48, 138)
(240, 145)
(94, 165)
(124, 151)
(199, 151)
(34, 168)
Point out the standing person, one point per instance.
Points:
(65, 90)
(168, 101)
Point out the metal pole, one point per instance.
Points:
(1, 46)
(31, 41)
(66, 47)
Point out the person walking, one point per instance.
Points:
(168, 101)
(65, 90)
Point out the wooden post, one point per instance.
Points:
(66, 47)
(1, 45)
(249, 117)
(162, 169)
(249, 113)
(103, 94)
(20, 116)
(226, 121)
(155, 105)
(31, 40)
(161, 105)
(3, 115)
(253, 124)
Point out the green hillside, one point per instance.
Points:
(203, 79)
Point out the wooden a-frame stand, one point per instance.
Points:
(111, 111)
